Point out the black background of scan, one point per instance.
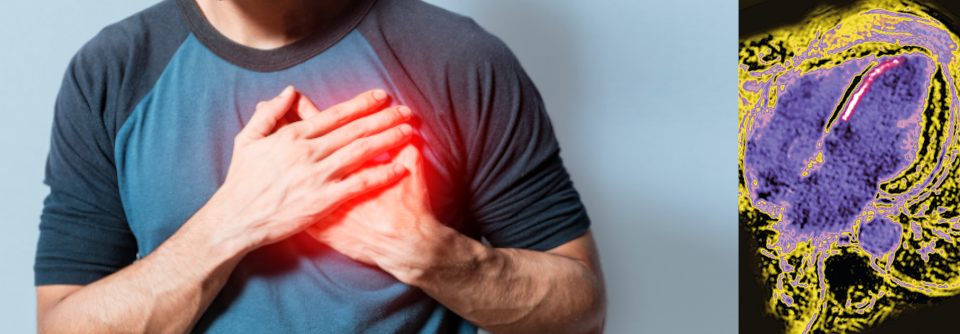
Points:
(769, 15)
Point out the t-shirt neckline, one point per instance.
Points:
(275, 59)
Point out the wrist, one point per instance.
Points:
(214, 224)
(447, 257)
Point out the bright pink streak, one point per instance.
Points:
(866, 85)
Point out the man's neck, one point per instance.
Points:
(269, 24)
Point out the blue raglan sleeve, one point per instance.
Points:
(520, 193)
(489, 120)
(84, 234)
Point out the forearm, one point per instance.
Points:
(283, 177)
(165, 292)
(515, 290)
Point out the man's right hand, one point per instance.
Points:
(282, 178)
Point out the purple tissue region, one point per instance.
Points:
(857, 154)
(880, 236)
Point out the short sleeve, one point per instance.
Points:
(520, 193)
(84, 234)
(487, 119)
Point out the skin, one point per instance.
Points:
(271, 24)
(499, 289)
(277, 185)
(323, 181)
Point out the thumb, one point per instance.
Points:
(415, 185)
(265, 118)
(305, 108)
(409, 156)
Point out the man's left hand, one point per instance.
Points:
(392, 228)
(560, 290)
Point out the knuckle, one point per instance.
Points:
(364, 183)
(288, 133)
(363, 146)
(358, 186)
(308, 126)
(321, 149)
(307, 149)
(356, 129)
(384, 174)
(322, 174)
(349, 157)
(338, 115)
(367, 127)
(311, 199)
(342, 116)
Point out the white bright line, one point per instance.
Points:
(866, 84)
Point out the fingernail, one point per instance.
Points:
(404, 111)
(379, 95)
(406, 129)
(287, 91)
(399, 168)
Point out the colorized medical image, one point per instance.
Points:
(849, 162)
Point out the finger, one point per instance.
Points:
(341, 114)
(282, 122)
(350, 157)
(305, 108)
(268, 113)
(364, 127)
(368, 179)
(409, 156)
(301, 109)
(382, 157)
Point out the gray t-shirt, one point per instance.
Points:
(143, 135)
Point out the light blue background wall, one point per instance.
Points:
(641, 94)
